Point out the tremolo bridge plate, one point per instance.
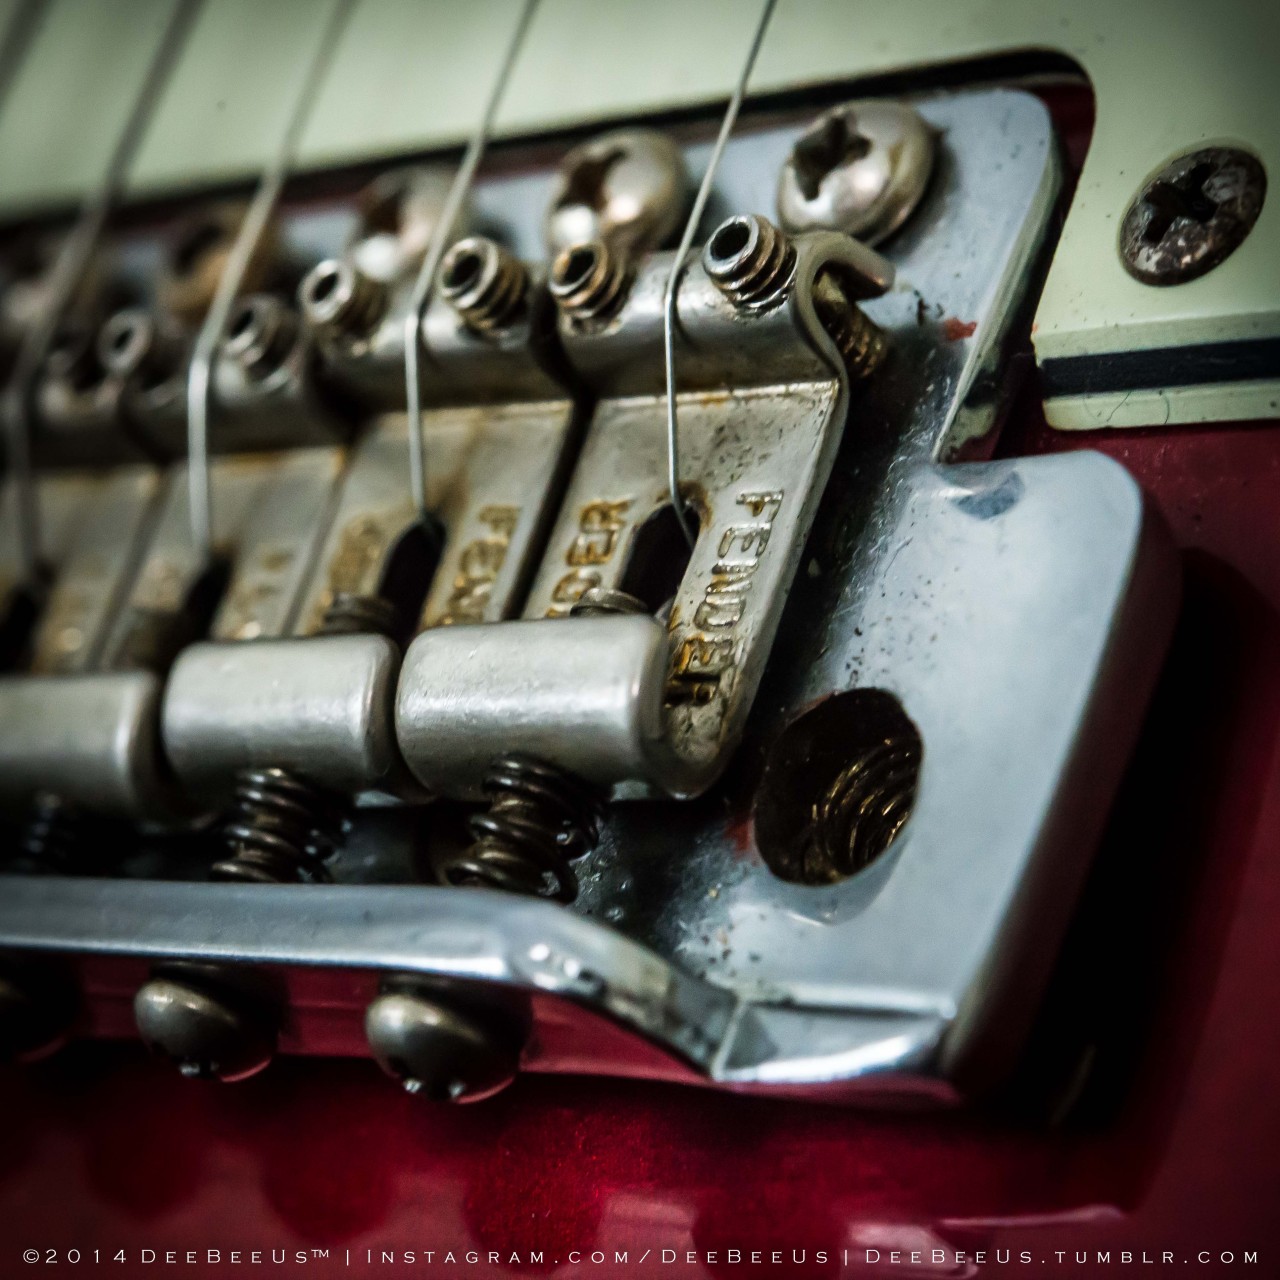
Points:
(1015, 609)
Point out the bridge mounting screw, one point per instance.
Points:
(1192, 215)
(628, 187)
(439, 1051)
(205, 1027)
(861, 168)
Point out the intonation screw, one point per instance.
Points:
(750, 261)
(484, 283)
(589, 281)
(339, 300)
(260, 335)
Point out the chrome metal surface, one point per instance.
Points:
(861, 168)
(92, 739)
(439, 1051)
(399, 213)
(764, 393)
(95, 570)
(585, 695)
(272, 510)
(204, 1025)
(627, 187)
(319, 706)
(1015, 609)
(492, 488)
(484, 283)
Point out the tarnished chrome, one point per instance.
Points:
(271, 512)
(590, 282)
(266, 383)
(487, 285)
(398, 213)
(442, 236)
(586, 696)
(891, 981)
(95, 571)
(91, 739)
(205, 1023)
(66, 501)
(861, 168)
(341, 302)
(676, 270)
(763, 394)
(438, 1050)
(499, 426)
(72, 727)
(627, 187)
(199, 249)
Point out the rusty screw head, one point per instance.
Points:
(861, 168)
(1192, 215)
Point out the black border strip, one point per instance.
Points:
(1161, 368)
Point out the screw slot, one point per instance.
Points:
(1192, 215)
(824, 149)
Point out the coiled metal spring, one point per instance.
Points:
(540, 818)
(282, 828)
(862, 811)
(53, 839)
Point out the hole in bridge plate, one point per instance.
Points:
(838, 786)
(659, 556)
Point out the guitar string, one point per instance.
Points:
(440, 240)
(200, 495)
(678, 264)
